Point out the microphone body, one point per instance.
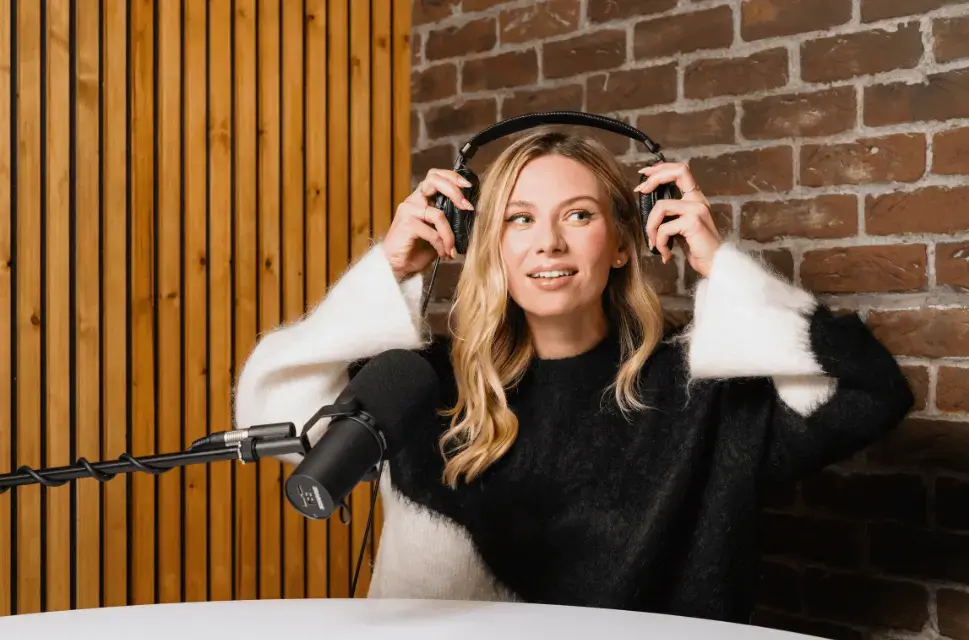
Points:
(369, 422)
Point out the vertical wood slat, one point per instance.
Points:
(360, 232)
(270, 471)
(29, 315)
(195, 491)
(169, 298)
(382, 155)
(58, 299)
(114, 257)
(338, 222)
(179, 179)
(291, 112)
(220, 293)
(142, 311)
(87, 321)
(7, 420)
(246, 273)
(317, 532)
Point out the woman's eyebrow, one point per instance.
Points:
(525, 204)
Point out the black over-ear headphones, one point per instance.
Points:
(462, 221)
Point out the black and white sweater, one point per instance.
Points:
(657, 514)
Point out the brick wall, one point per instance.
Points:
(833, 138)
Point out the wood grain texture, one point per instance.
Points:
(176, 179)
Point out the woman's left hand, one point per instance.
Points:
(688, 217)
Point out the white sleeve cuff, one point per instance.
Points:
(749, 322)
(297, 368)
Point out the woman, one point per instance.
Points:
(582, 456)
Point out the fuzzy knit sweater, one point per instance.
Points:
(658, 513)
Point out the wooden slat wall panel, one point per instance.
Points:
(177, 177)
(7, 419)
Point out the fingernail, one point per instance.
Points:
(464, 183)
(466, 204)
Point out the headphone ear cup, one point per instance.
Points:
(461, 221)
(649, 200)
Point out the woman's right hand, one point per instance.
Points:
(419, 231)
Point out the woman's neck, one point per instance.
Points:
(565, 337)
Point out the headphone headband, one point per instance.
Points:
(526, 121)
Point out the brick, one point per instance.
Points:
(926, 332)
(469, 6)
(953, 610)
(872, 10)
(662, 277)
(950, 152)
(539, 21)
(779, 586)
(805, 626)
(895, 158)
(865, 600)
(867, 496)
(835, 543)
(781, 261)
(446, 281)
(822, 113)
(631, 89)
(952, 503)
(951, 38)
(621, 9)
(415, 128)
(942, 96)
(918, 382)
(680, 129)
(512, 69)
(437, 320)
(434, 83)
(927, 445)
(920, 553)
(684, 33)
(531, 100)
(745, 172)
(415, 50)
(437, 157)
(928, 210)
(460, 118)
(861, 54)
(952, 390)
(736, 76)
(952, 266)
(830, 216)
(772, 18)
(476, 36)
(865, 269)
(425, 11)
(595, 51)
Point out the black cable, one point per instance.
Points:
(366, 531)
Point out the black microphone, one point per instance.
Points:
(370, 420)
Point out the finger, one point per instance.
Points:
(450, 189)
(453, 176)
(665, 232)
(677, 173)
(430, 234)
(665, 210)
(436, 217)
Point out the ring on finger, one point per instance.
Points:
(696, 187)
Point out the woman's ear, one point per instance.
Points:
(621, 258)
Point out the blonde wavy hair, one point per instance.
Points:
(490, 348)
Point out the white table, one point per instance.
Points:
(368, 619)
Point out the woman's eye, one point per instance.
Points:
(582, 214)
(519, 218)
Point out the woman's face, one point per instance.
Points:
(558, 240)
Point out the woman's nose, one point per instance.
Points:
(549, 238)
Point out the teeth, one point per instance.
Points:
(552, 274)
